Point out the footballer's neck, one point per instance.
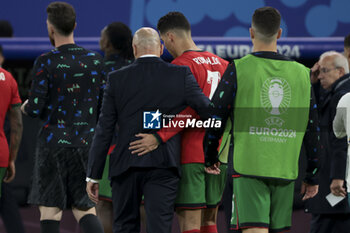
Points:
(261, 46)
(186, 44)
(63, 40)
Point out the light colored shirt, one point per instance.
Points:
(148, 55)
(341, 126)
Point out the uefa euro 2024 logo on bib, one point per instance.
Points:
(151, 119)
(275, 99)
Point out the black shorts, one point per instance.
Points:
(59, 177)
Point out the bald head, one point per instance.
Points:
(146, 41)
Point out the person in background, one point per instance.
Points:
(10, 103)
(341, 128)
(8, 204)
(65, 96)
(148, 87)
(263, 93)
(6, 29)
(332, 71)
(347, 48)
(199, 193)
(115, 42)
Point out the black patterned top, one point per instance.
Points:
(65, 94)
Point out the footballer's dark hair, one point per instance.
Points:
(173, 20)
(347, 41)
(266, 22)
(120, 36)
(6, 29)
(62, 16)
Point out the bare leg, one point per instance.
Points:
(189, 219)
(50, 218)
(143, 216)
(50, 213)
(209, 216)
(104, 211)
(255, 230)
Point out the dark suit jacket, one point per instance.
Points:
(147, 84)
(334, 156)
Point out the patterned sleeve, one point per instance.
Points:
(39, 89)
(220, 108)
(103, 71)
(312, 143)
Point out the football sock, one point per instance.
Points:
(209, 229)
(49, 226)
(90, 224)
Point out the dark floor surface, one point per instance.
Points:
(30, 215)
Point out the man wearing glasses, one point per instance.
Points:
(332, 71)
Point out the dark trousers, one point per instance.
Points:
(9, 211)
(330, 223)
(159, 187)
(228, 192)
(227, 196)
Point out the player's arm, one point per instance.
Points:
(313, 151)
(194, 97)
(39, 89)
(103, 82)
(220, 108)
(104, 132)
(105, 129)
(16, 128)
(164, 134)
(15, 117)
(149, 142)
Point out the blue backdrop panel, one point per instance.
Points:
(300, 18)
(225, 47)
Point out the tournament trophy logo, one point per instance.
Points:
(151, 119)
(275, 99)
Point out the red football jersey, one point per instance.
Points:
(8, 97)
(208, 69)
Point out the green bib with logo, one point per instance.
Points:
(225, 143)
(270, 116)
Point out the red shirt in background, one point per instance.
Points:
(208, 69)
(8, 97)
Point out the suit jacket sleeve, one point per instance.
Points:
(104, 132)
(194, 98)
(39, 90)
(312, 143)
(220, 108)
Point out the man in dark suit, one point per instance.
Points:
(149, 84)
(332, 71)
